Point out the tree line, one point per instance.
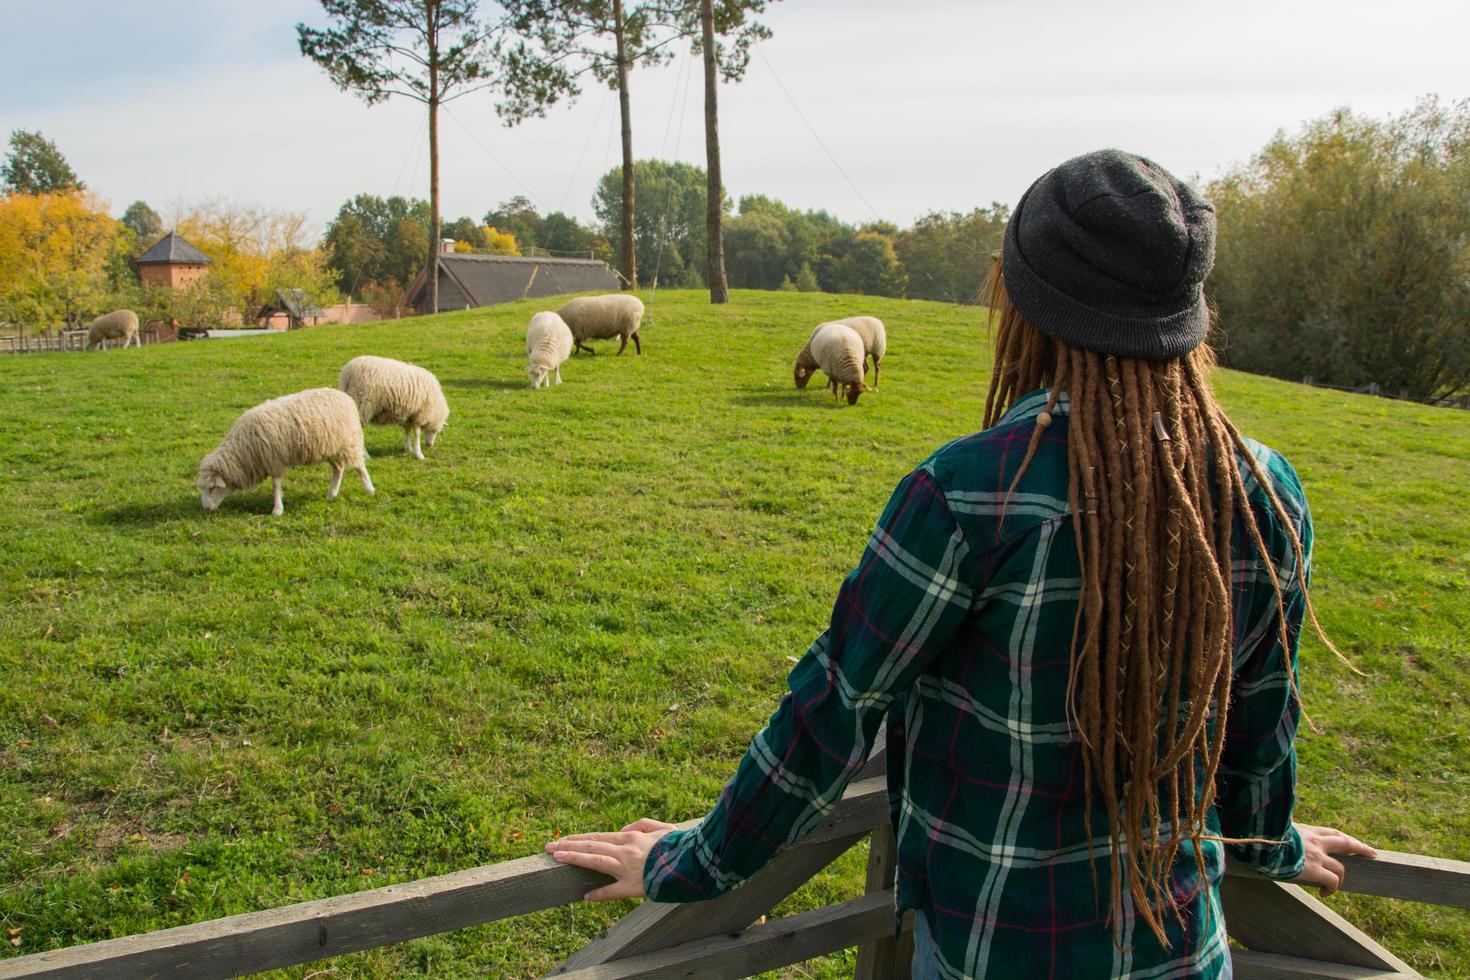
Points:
(1344, 253)
(374, 244)
(64, 259)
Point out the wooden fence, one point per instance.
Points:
(1285, 931)
(73, 340)
(1378, 391)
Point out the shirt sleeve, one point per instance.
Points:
(894, 612)
(1257, 781)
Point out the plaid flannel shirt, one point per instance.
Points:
(957, 626)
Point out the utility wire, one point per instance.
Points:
(491, 154)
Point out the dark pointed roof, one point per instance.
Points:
(295, 303)
(173, 250)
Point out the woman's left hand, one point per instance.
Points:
(620, 855)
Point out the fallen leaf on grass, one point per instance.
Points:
(49, 722)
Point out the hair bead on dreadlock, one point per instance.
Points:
(1154, 487)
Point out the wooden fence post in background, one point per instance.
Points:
(890, 956)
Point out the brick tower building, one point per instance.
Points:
(172, 262)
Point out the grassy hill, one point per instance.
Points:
(574, 613)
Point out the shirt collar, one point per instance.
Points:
(1029, 405)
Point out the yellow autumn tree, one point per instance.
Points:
(62, 259)
(254, 252)
(499, 242)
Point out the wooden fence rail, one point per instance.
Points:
(1286, 932)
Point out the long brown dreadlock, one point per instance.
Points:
(1154, 487)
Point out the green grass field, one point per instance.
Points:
(574, 613)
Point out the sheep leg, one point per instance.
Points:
(875, 374)
(558, 375)
(623, 346)
(418, 443)
(277, 508)
(637, 345)
(367, 483)
(337, 470)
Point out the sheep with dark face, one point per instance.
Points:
(837, 350)
(319, 425)
(603, 317)
(119, 324)
(875, 345)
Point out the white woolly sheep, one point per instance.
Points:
(319, 425)
(603, 317)
(111, 326)
(875, 345)
(548, 342)
(837, 349)
(389, 392)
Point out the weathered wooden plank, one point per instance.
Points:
(887, 956)
(1250, 965)
(312, 930)
(1393, 874)
(778, 943)
(1273, 917)
(653, 926)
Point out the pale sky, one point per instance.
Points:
(926, 104)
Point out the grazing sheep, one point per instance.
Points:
(319, 425)
(837, 349)
(875, 345)
(390, 392)
(603, 317)
(548, 342)
(110, 326)
(874, 337)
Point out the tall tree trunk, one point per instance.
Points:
(432, 269)
(630, 257)
(719, 289)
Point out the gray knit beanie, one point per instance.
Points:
(1109, 252)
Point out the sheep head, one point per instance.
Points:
(803, 375)
(854, 389)
(537, 374)
(212, 487)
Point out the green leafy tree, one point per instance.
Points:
(757, 248)
(671, 222)
(561, 234)
(1344, 253)
(144, 222)
(35, 166)
(430, 51)
(769, 241)
(561, 43)
(378, 240)
(948, 254)
(466, 230)
(871, 266)
(806, 280)
(518, 217)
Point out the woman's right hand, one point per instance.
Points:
(1321, 868)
